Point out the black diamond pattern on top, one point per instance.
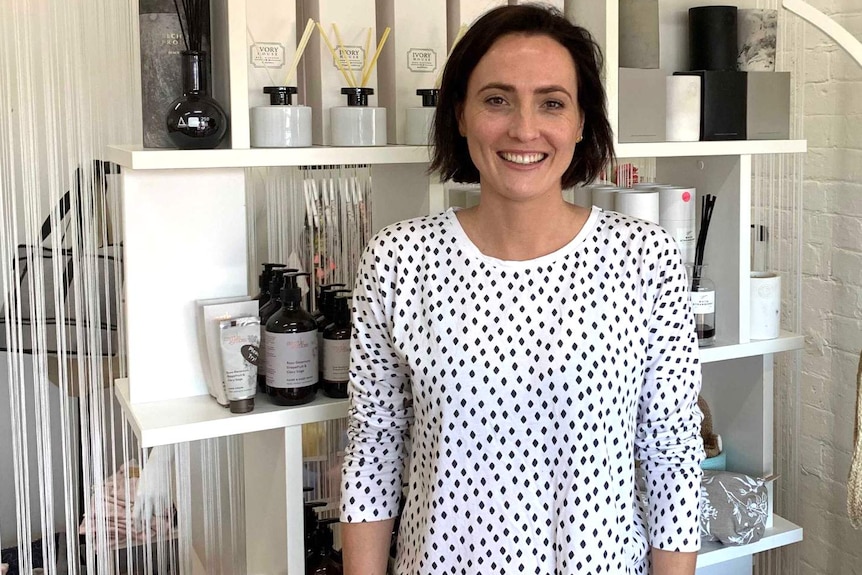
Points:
(512, 399)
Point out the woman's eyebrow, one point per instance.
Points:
(510, 88)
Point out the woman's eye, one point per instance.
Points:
(554, 104)
(495, 101)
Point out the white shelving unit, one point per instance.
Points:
(185, 224)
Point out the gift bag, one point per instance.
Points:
(67, 322)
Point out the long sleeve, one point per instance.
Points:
(380, 411)
(668, 439)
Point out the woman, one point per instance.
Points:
(527, 350)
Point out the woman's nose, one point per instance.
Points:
(524, 123)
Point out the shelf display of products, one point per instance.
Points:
(401, 189)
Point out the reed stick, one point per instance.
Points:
(341, 43)
(300, 50)
(461, 31)
(335, 56)
(376, 56)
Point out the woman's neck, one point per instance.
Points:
(522, 231)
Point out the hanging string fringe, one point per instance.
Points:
(854, 482)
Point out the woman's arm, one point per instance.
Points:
(365, 547)
(672, 563)
(667, 440)
(379, 417)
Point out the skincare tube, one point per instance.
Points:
(240, 342)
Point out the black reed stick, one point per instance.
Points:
(196, 16)
(707, 205)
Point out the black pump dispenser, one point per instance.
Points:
(263, 283)
(266, 312)
(291, 348)
(336, 345)
(321, 558)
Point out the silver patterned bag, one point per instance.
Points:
(733, 507)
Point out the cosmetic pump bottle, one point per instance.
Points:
(264, 280)
(318, 313)
(291, 348)
(266, 312)
(336, 348)
(325, 320)
(323, 559)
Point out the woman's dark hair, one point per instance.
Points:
(450, 155)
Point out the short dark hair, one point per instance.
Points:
(450, 156)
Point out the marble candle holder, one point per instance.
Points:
(757, 39)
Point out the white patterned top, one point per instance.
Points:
(524, 392)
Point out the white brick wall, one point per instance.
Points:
(832, 294)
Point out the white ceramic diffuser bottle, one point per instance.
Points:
(357, 123)
(281, 124)
(419, 119)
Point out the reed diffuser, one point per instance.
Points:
(195, 120)
(357, 123)
(702, 288)
(283, 124)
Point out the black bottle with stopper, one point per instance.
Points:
(291, 348)
(336, 348)
(265, 279)
(266, 312)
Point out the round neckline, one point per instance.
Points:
(585, 230)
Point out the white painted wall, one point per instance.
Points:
(832, 294)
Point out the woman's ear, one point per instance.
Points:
(459, 115)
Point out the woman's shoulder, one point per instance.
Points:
(614, 225)
(410, 234)
(413, 231)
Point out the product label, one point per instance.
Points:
(352, 57)
(261, 352)
(421, 60)
(336, 359)
(686, 241)
(703, 302)
(291, 359)
(266, 55)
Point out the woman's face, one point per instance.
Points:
(521, 117)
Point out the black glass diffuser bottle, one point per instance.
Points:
(195, 120)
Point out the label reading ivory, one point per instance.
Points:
(421, 60)
(703, 302)
(266, 55)
(291, 359)
(352, 57)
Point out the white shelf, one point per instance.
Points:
(139, 158)
(697, 149)
(782, 533)
(201, 417)
(722, 351)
